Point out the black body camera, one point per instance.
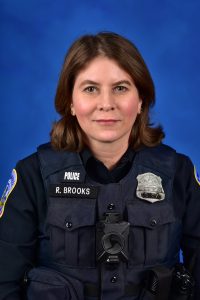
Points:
(112, 239)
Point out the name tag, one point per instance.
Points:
(73, 190)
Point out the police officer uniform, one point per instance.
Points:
(71, 229)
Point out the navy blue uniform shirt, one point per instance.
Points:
(24, 214)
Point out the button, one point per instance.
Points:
(69, 224)
(113, 279)
(153, 222)
(111, 206)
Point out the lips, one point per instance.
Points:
(107, 121)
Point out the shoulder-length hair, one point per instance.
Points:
(66, 133)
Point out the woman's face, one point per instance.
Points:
(105, 102)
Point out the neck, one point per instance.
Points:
(109, 154)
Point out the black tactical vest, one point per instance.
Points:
(99, 240)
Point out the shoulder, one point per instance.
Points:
(186, 171)
(29, 169)
(161, 151)
(186, 178)
(29, 164)
(181, 159)
(183, 162)
(168, 158)
(29, 180)
(160, 158)
(25, 188)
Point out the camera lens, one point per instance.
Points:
(113, 243)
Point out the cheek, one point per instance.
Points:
(79, 104)
(131, 108)
(82, 108)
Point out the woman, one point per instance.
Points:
(103, 210)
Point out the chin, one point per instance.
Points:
(108, 139)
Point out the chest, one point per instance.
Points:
(80, 235)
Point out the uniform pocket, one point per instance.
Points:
(43, 283)
(71, 223)
(150, 229)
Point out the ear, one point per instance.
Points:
(140, 106)
(72, 110)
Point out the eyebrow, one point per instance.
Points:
(122, 82)
(88, 82)
(85, 82)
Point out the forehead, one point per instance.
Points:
(102, 67)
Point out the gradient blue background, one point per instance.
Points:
(35, 35)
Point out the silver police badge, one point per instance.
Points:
(150, 187)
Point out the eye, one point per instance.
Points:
(120, 88)
(90, 89)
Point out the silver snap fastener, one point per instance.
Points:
(114, 279)
(153, 222)
(111, 206)
(69, 224)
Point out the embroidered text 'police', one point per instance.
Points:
(74, 176)
(73, 190)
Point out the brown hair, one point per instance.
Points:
(66, 133)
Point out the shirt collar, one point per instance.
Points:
(86, 154)
(98, 171)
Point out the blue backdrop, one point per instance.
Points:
(35, 35)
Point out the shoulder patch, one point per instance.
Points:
(197, 176)
(9, 187)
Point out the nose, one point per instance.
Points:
(106, 101)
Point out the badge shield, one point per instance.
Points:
(150, 188)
